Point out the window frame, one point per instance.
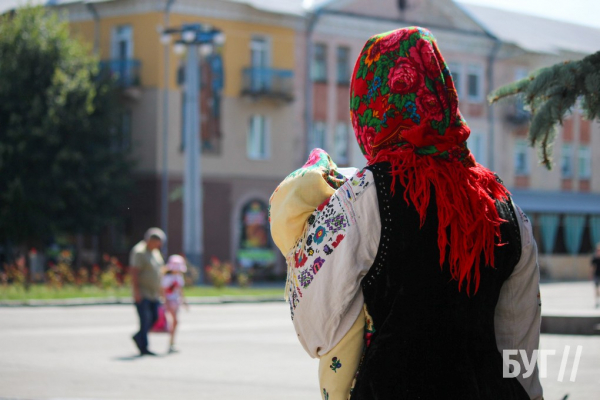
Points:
(521, 147)
(477, 145)
(338, 158)
(342, 64)
(584, 161)
(264, 152)
(477, 71)
(456, 70)
(567, 153)
(314, 63)
(117, 36)
(312, 144)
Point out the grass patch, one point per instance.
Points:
(202, 291)
(43, 292)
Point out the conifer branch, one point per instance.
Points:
(550, 94)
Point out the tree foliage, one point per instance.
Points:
(61, 166)
(550, 93)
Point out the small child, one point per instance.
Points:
(172, 287)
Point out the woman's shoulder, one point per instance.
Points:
(357, 183)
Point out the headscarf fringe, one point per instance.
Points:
(470, 215)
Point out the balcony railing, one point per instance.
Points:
(125, 71)
(268, 82)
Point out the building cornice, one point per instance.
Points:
(354, 28)
(216, 9)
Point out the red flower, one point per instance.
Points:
(424, 55)
(392, 41)
(365, 135)
(313, 158)
(373, 54)
(404, 77)
(323, 204)
(429, 105)
(338, 240)
(301, 258)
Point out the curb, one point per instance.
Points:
(127, 301)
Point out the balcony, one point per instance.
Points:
(515, 112)
(269, 83)
(125, 71)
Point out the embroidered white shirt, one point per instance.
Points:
(330, 261)
(337, 251)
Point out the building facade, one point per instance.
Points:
(564, 202)
(279, 87)
(485, 48)
(249, 117)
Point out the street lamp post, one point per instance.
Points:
(192, 184)
(197, 38)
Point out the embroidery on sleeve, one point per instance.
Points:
(327, 228)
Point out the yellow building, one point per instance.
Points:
(250, 115)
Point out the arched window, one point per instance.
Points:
(255, 246)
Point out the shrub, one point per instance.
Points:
(219, 273)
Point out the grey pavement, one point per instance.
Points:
(572, 297)
(228, 351)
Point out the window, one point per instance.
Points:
(258, 138)
(259, 52)
(455, 70)
(520, 73)
(566, 160)
(521, 157)
(474, 83)
(319, 64)
(260, 60)
(317, 137)
(584, 162)
(255, 247)
(122, 42)
(476, 145)
(343, 65)
(340, 143)
(122, 55)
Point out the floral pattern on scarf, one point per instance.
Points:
(403, 95)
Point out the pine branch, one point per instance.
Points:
(550, 93)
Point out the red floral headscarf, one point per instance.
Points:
(404, 110)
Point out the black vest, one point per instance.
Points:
(431, 340)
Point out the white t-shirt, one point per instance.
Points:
(173, 285)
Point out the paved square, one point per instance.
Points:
(235, 351)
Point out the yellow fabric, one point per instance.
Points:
(292, 203)
(336, 384)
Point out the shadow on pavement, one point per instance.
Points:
(128, 358)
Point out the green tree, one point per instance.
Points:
(550, 94)
(61, 166)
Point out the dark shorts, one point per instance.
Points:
(597, 280)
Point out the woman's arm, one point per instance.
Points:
(518, 312)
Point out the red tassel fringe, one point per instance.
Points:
(465, 198)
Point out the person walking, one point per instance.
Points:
(145, 261)
(172, 288)
(596, 273)
(424, 236)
